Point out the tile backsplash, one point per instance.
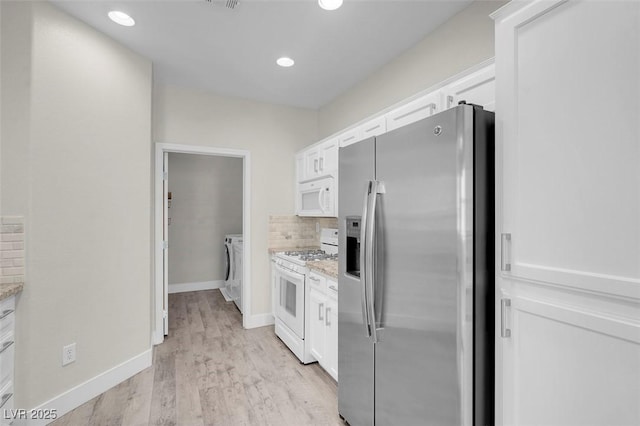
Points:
(297, 232)
(11, 249)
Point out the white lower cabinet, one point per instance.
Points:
(323, 322)
(317, 301)
(7, 347)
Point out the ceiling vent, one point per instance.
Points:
(229, 4)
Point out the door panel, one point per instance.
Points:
(316, 327)
(418, 373)
(355, 354)
(165, 253)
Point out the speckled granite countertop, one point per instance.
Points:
(8, 290)
(327, 267)
(292, 248)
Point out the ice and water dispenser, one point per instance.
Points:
(353, 246)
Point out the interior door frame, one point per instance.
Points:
(157, 332)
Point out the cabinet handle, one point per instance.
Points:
(505, 244)
(504, 331)
(5, 346)
(333, 287)
(5, 398)
(6, 312)
(321, 164)
(315, 165)
(320, 307)
(449, 101)
(314, 278)
(326, 317)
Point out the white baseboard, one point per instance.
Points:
(88, 390)
(196, 286)
(259, 320)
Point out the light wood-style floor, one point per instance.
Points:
(210, 371)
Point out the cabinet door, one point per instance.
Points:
(374, 127)
(478, 88)
(568, 362)
(312, 163)
(316, 316)
(328, 163)
(350, 136)
(418, 109)
(568, 209)
(331, 340)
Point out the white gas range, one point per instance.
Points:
(291, 294)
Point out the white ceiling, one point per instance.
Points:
(209, 47)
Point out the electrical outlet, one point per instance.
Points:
(68, 354)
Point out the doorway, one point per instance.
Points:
(161, 223)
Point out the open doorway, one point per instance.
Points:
(186, 269)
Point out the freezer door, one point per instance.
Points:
(423, 358)
(355, 349)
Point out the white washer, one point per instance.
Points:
(229, 272)
(236, 287)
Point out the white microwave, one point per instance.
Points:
(316, 198)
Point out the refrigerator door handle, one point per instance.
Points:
(375, 188)
(363, 261)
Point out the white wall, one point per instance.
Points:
(460, 43)
(76, 164)
(206, 205)
(271, 133)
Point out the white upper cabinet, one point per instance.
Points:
(568, 213)
(329, 158)
(413, 111)
(374, 127)
(350, 136)
(477, 88)
(318, 161)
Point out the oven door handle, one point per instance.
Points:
(290, 273)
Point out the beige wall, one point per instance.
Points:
(206, 205)
(460, 43)
(75, 163)
(271, 133)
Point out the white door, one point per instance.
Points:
(165, 238)
(568, 213)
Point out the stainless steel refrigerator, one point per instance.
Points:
(416, 273)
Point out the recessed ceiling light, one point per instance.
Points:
(121, 18)
(285, 62)
(330, 4)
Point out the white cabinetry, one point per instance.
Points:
(568, 213)
(319, 161)
(7, 347)
(477, 88)
(316, 180)
(413, 111)
(322, 316)
(350, 136)
(374, 127)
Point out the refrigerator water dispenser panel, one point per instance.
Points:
(353, 246)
